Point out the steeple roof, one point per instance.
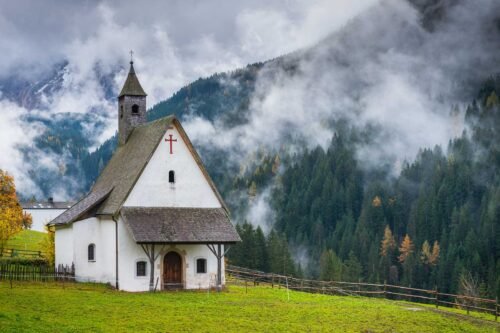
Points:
(132, 87)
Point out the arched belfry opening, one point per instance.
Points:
(135, 109)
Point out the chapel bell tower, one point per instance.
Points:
(131, 106)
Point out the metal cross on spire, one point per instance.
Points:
(131, 56)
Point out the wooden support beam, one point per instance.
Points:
(219, 255)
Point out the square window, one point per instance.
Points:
(141, 268)
(201, 265)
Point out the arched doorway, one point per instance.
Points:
(172, 271)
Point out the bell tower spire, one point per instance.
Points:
(131, 105)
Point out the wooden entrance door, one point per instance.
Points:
(172, 271)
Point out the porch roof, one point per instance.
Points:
(179, 225)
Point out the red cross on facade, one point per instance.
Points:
(171, 141)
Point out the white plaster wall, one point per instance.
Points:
(191, 188)
(64, 246)
(42, 216)
(200, 281)
(100, 232)
(128, 254)
(131, 252)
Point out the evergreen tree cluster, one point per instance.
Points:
(267, 254)
(433, 225)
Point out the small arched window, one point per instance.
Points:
(91, 252)
(135, 109)
(140, 268)
(201, 265)
(171, 177)
(121, 111)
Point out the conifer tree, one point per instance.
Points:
(388, 243)
(406, 249)
(425, 253)
(352, 269)
(330, 266)
(434, 258)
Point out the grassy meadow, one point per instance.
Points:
(30, 307)
(27, 240)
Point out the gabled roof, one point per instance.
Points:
(179, 225)
(132, 87)
(83, 206)
(127, 164)
(46, 204)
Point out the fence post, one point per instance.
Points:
(436, 301)
(385, 289)
(272, 281)
(496, 308)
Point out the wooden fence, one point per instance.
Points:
(433, 297)
(19, 253)
(44, 273)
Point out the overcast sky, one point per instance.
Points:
(191, 37)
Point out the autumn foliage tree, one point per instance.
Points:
(406, 249)
(388, 243)
(48, 245)
(430, 256)
(387, 252)
(12, 219)
(406, 258)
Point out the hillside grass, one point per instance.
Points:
(30, 307)
(27, 240)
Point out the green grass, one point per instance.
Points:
(30, 307)
(27, 240)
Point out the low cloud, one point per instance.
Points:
(260, 212)
(14, 129)
(383, 73)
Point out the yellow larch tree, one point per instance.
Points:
(425, 253)
(388, 243)
(434, 258)
(12, 218)
(428, 255)
(406, 249)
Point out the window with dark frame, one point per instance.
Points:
(135, 109)
(171, 177)
(91, 252)
(201, 265)
(141, 268)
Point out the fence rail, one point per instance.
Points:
(13, 252)
(433, 297)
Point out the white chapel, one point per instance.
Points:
(154, 218)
